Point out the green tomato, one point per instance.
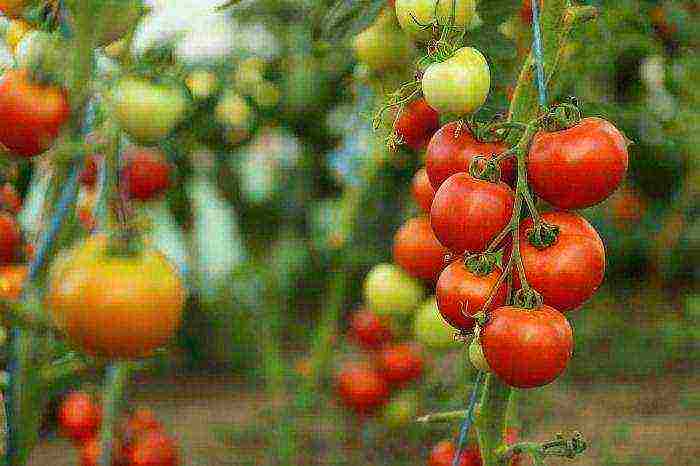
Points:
(401, 410)
(234, 113)
(412, 13)
(460, 84)
(476, 356)
(430, 328)
(147, 111)
(382, 47)
(391, 291)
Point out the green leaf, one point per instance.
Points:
(228, 4)
(348, 17)
(495, 12)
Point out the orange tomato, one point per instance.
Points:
(12, 279)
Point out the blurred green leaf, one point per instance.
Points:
(348, 17)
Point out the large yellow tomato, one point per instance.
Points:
(115, 306)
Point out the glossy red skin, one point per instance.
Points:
(417, 124)
(578, 167)
(146, 174)
(10, 238)
(154, 448)
(443, 453)
(370, 330)
(88, 177)
(422, 190)
(467, 214)
(362, 388)
(31, 114)
(417, 250)
(527, 348)
(447, 154)
(460, 290)
(9, 199)
(568, 272)
(400, 364)
(79, 417)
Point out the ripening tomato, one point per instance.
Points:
(31, 114)
(154, 448)
(578, 167)
(114, 306)
(569, 271)
(12, 278)
(10, 238)
(461, 293)
(145, 174)
(13, 8)
(370, 330)
(400, 364)
(413, 13)
(431, 330)
(443, 454)
(10, 199)
(391, 291)
(417, 250)
(527, 348)
(79, 417)
(416, 124)
(458, 85)
(383, 46)
(91, 451)
(452, 149)
(467, 214)
(361, 388)
(422, 190)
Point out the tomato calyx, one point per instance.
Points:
(561, 446)
(542, 235)
(562, 116)
(480, 264)
(528, 298)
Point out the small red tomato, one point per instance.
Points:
(422, 190)
(417, 250)
(416, 124)
(361, 388)
(142, 420)
(154, 448)
(370, 330)
(452, 149)
(31, 114)
(443, 454)
(569, 271)
(79, 417)
(578, 167)
(88, 177)
(10, 238)
(9, 199)
(91, 451)
(527, 348)
(146, 174)
(400, 364)
(459, 292)
(467, 214)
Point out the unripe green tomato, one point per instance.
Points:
(401, 410)
(412, 13)
(430, 328)
(476, 356)
(391, 291)
(148, 111)
(460, 84)
(234, 113)
(382, 47)
(201, 83)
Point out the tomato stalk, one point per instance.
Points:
(117, 379)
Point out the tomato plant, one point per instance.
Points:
(417, 250)
(79, 417)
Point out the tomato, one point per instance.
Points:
(476, 356)
(118, 307)
(458, 85)
(417, 250)
(154, 448)
(414, 13)
(141, 421)
(452, 149)
(578, 167)
(422, 190)
(568, 272)
(91, 451)
(400, 364)
(361, 388)
(149, 111)
(383, 47)
(10, 238)
(146, 173)
(79, 417)
(233, 112)
(401, 410)
(431, 330)
(390, 290)
(467, 214)
(627, 207)
(461, 292)
(370, 330)
(527, 348)
(88, 176)
(12, 278)
(13, 8)
(31, 114)
(443, 454)
(202, 84)
(416, 124)
(10, 199)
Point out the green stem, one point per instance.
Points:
(112, 402)
(447, 416)
(492, 419)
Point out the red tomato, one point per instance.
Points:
(370, 330)
(460, 291)
(568, 272)
(417, 250)
(31, 114)
(467, 214)
(361, 388)
(146, 174)
(154, 448)
(443, 454)
(416, 124)
(9, 199)
(91, 451)
(527, 348)
(578, 167)
(88, 177)
(400, 364)
(10, 238)
(451, 150)
(79, 417)
(422, 190)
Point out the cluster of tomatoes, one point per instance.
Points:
(141, 439)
